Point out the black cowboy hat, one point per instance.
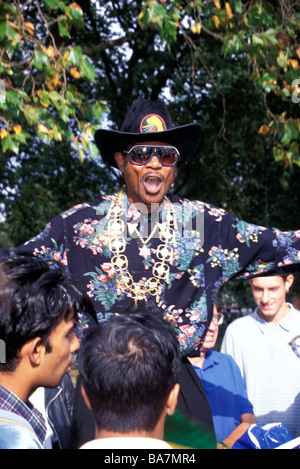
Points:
(146, 117)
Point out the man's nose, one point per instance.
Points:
(75, 343)
(265, 296)
(154, 161)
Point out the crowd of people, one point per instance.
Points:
(77, 283)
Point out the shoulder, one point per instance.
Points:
(294, 315)
(223, 359)
(243, 322)
(198, 205)
(80, 215)
(294, 311)
(240, 327)
(206, 216)
(99, 206)
(16, 432)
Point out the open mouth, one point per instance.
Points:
(153, 183)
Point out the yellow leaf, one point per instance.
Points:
(14, 26)
(29, 28)
(85, 140)
(298, 52)
(53, 83)
(50, 51)
(294, 63)
(17, 129)
(81, 155)
(75, 73)
(3, 133)
(196, 29)
(43, 129)
(216, 21)
(75, 7)
(217, 4)
(228, 10)
(263, 130)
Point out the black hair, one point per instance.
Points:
(33, 299)
(129, 364)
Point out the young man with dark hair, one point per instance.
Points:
(130, 368)
(38, 311)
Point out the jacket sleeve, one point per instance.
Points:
(51, 244)
(243, 250)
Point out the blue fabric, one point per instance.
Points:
(225, 390)
(267, 436)
(16, 432)
(12, 403)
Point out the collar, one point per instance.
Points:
(211, 359)
(286, 323)
(9, 401)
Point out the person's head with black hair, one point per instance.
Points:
(38, 312)
(130, 368)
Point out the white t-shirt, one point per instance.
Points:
(268, 365)
(126, 443)
(37, 399)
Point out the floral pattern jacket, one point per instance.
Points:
(212, 247)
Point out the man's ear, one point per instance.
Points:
(119, 160)
(85, 398)
(172, 399)
(34, 350)
(288, 282)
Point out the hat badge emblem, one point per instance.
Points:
(152, 123)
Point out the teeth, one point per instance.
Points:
(153, 178)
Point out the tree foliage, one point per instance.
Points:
(266, 34)
(40, 76)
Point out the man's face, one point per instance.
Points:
(269, 295)
(57, 362)
(149, 183)
(212, 333)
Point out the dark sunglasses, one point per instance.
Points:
(142, 154)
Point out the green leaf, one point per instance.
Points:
(93, 150)
(31, 114)
(21, 137)
(282, 59)
(63, 28)
(13, 98)
(257, 40)
(87, 69)
(278, 154)
(64, 111)
(270, 36)
(74, 12)
(7, 31)
(238, 7)
(286, 135)
(39, 59)
(98, 109)
(9, 144)
(53, 4)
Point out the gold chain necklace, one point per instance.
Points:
(115, 233)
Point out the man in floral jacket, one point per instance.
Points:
(141, 244)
